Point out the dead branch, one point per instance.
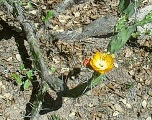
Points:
(99, 27)
(55, 83)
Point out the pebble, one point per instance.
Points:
(139, 86)
(72, 114)
(2, 118)
(1, 83)
(128, 106)
(34, 12)
(124, 101)
(18, 57)
(145, 97)
(144, 104)
(116, 65)
(128, 53)
(150, 92)
(26, 43)
(2, 97)
(118, 108)
(3, 87)
(147, 82)
(115, 113)
(8, 96)
(149, 118)
(62, 19)
(9, 59)
(65, 70)
(77, 14)
(131, 72)
(90, 105)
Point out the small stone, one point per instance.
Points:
(128, 106)
(116, 65)
(2, 97)
(147, 44)
(118, 108)
(147, 82)
(34, 12)
(150, 92)
(97, 118)
(115, 113)
(128, 52)
(60, 30)
(63, 70)
(1, 83)
(90, 105)
(141, 80)
(56, 59)
(8, 96)
(62, 19)
(9, 59)
(144, 104)
(3, 87)
(139, 86)
(1, 117)
(72, 114)
(149, 118)
(44, 7)
(123, 101)
(36, 24)
(77, 14)
(26, 43)
(131, 72)
(18, 57)
(145, 97)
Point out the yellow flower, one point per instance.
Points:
(102, 62)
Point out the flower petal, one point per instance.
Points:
(102, 62)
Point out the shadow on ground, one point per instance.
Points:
(49, 104)
(133, 42)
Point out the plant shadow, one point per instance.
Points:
(10, 31)
(49, 103)
(133, 42)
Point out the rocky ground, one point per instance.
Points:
(125, 94)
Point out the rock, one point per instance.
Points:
(2, 97)
(147, 82)
(72, 114)
(63, 70)
(18, 57)
(144, 104)
(116, 65)
(123, 101)
(9, 59)
(26, 43)
(34, 12)
(90, 105)
(1, 117)
(8, 96)
(150, 92)
(62, 19)
(118, 108)
(145, 97)
(128, 52)
(149, 118)
(132, 72)
(1, 83)
(77, 14)
(116, 113)
(128, 106)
